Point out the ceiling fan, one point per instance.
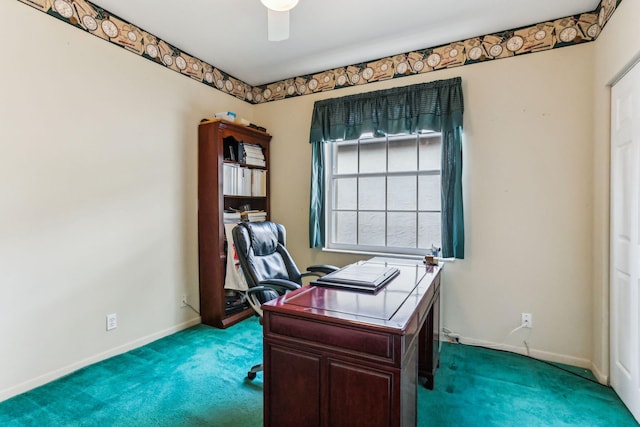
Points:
(278, 18)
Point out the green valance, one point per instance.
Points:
(408, 109)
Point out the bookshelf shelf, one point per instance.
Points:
(245, 165)
(244, 197)
(215, 140)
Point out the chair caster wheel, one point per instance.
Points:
(251, 375)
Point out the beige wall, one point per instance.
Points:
(527, 190)
(98, 172)
(617, 48)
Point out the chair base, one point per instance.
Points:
(254, 371)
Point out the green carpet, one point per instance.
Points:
(481, 387)
(197, 378)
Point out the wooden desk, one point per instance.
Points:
(344, 358)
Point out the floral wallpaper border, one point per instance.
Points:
(562, 32)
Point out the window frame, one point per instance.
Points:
(330, 177)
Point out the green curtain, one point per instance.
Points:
(434, 106)
(316, 211)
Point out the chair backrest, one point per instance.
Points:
(262, 254)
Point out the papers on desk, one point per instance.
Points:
(367, 277)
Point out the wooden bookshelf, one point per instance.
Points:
(211, 204)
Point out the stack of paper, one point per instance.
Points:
(254, 216)
(252, 154)
(231, 217)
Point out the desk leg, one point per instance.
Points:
(429, 345)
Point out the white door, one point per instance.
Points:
(625, 239)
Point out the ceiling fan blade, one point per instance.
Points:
(278, 23)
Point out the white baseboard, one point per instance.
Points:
(58, 373)
(602, 378)
(538, 354)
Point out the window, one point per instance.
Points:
(383, 194)
(403, 110)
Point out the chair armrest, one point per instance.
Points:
(281, 285)
(322, 268)
(273, 287)
(268, 289)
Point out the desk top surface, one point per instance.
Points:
(391, 307)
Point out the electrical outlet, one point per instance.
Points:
(183, 301)
(112, 321)
(527, 320)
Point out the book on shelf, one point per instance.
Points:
(253, 216)
(228, 175)
(243, 152)
(236, 180)
(251, 154)
(241, 181)
(258, 182)
(230, 150)
(244, 182)
(254, 161)
(234, 216)
(230, 217)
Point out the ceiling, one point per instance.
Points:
(232, 34)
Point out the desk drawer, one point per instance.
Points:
(362, 341)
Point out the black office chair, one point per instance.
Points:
(267, 265)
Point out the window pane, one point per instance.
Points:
(401, 231)
(401, 193)
(429, 152)
(373, 155)
(402, 154)
(371, 228)
(344, 228)
(429, 230)
(429, 188)
(344, 193)
(345, 157)
(384, 193)
(371, 193)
